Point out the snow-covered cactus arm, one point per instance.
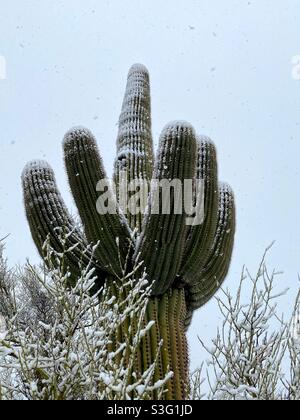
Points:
(201, 237)
(134, 142)
(210, 279)
(162, 241)
(49, 219)
(85, 170)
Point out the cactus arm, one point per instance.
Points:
(134, 142)
(85, 169)
(161, 244)
(49, 219)
(201, 237)
(216, 270)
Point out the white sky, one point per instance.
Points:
(225, 66)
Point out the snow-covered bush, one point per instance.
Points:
(56, 343)
(250, 355)
(293, 386)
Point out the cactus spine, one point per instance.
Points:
(185, 265)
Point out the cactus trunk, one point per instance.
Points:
(170, 312)
(164, 345)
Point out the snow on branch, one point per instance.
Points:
(248, 358)
(57, 345)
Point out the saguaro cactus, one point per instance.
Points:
(185, 264)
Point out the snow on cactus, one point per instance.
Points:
(185, 264)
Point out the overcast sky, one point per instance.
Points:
(225, 66)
